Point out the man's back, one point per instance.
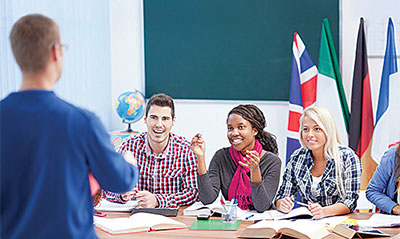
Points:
(48, 147)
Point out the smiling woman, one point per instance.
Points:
(249, 170)
(323, 173)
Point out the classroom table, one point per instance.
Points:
(188, 220)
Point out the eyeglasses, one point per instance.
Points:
(62, 45)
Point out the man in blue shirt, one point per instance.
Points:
(48, 146)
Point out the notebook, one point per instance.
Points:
(214, 225)
(108, 206)
(300, 212)
(138, 222)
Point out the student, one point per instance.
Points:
(49, 146)
(324, 173)
(249, 170)
(168, 169)
(383, 189)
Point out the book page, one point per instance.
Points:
(276, 225)
(300, 211)
(105, 205)
(312, 229)
(155, 221)
(120, 225)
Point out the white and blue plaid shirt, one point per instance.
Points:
(298, 179)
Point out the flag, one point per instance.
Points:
(361, 118)
(303, 90)
(387, 129)
(330, 92)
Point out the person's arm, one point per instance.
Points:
(332, 210)
(109, 167)
(210, 182)
(379, 182)
(113, 197)
(262, 193)
(188, 193)
(351, 180)
(287, 188)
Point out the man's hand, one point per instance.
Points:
(146, 199)
(129, 195)
(128, 156)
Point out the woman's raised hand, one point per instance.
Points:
(198, 146)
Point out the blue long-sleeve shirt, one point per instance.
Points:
(47, 149)
(381, 188)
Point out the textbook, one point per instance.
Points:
(355, 231)
(138, 222)
(215, 207)
(108, 206)
(296, 229)
(297, 213)
(168, 212)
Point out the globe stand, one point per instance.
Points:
(129, 130)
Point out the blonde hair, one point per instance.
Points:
(325, 120)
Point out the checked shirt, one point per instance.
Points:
(171, 176)
(298, 179)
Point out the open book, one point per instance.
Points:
(268, 229)
(215, 207)
(355, 231)
(108, 206)
(300, 212)
(138, 222)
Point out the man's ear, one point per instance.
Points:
(56, 52)
(173, 121)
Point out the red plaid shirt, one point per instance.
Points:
(171, 176)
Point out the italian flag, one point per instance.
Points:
(330, 92)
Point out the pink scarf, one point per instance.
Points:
(240, 187)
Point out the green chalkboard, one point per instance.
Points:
(229, 49)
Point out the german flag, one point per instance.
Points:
(361, 118)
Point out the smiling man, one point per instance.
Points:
(168, 167)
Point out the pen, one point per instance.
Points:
(247, 218)
(233, 208)
(223, 205)
(302, 204)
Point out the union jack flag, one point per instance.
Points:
(303, 91)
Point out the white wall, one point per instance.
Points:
(208, 117)
(127, 64)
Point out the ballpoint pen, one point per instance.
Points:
(248, 217)
(301, 203)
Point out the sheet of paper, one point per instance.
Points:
(105, 205)
(380, 220)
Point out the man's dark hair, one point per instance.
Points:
(162, 100)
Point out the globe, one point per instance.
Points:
(130, 106)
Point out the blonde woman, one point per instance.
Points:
(325, 174)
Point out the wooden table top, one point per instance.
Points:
(188, 220)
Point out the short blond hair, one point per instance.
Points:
(32, 38)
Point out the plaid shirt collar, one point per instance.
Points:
(164, 154)
(309, 162)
